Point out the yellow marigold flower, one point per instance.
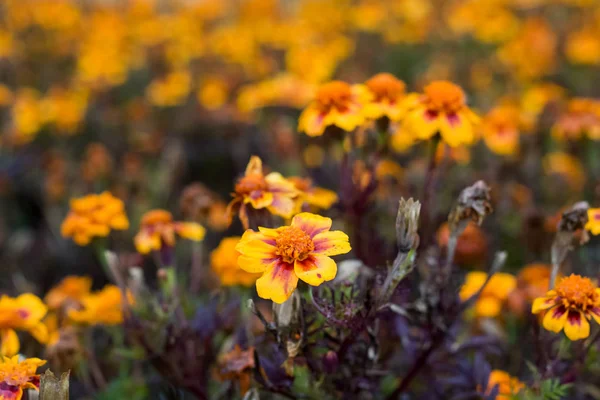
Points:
(567, 167)
(573, 302)
(581, 117)
(254, 189)
(282, 90)
(94, 216)
(289, 253)
(104, 307)
(26, 114)
(170, 90)
(535, 99)
(442, 108)
(16, 376)
(224, 262)
(508, 386)
(489, 303)
(70, 289)
(500, 130)
(312, 195)
(336, 104)
(583, 47)
(23, 313)
(593, 224)
(157, 230)
(65, 108)
(389, 97)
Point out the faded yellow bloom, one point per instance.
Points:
(158, 230)
(312, 196)
(490, 301)
(500, 130)
(224, 263)
(70, 290)
(104, 307)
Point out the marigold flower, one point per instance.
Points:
(224, 263)
(532, 281)
(569, 306)
(103, 307)
(157, 230)
(70, 289)
(490, 301)
(593, 224)
(272, 192)
(170, 90)
(508, 386)
(581, 117)
(500, 130)
(94, 216)
(442, 109)
(286, 254)
(583, 47)
(338, 104)
(16, 376)
(23, 313)
(389, 97)
(312, 195)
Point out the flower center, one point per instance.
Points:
(293, 244)
(334, 94)
(577, 292)
(386, 86)
(444, 96)
(250, 183)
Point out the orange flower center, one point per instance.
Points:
(444, 96)
(293, 244)
(386, 86)
(250, 183)
(577, 292)
(336, 94)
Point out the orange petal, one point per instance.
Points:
(278, 282)
(312, 224)
(577, 326)
(316, 269)
(311, 122)
(331, 243)
(555, 319)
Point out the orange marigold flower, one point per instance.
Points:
(104, 307)
(224, 262)
(16, 376)
(312, 195)
(389, 97)
(157, 230)
(569, 306)
(593, 224)
(581, 117)
(94, 216)
(289, 253)
(508, 386)
(583, 47)
(70, 290)
(24, 313)
(336, 103)
(490, 301)
(272, 192)
(500, 130)
(442, 109)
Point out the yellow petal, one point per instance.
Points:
(9, 345)
(418, 123)
(277, 283)
(190, 230)
(311, 224)
(331, 243)
(145, 242)
(32, 308)
(488, 307)
(577, 326)
(39, 332)
(316, 269)
(542, 303)
(254, 166)
(555, 319)
(321, 198)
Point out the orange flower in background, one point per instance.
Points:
(389, 97)
(17, 376)
(158, 230)
(271, 192)
(313, 196)
(286, 254)
(508, 386)
(490, 301)
(593, 224)
(581, 117)
(535, 99)
(170, 90)
(442, 109)
(500, 130)
(224, 263)
(338, 104)
(567, 167)
(70, 290)
(570, 305)
(533, 281)
(104, 307)
(23, 313)
(472, 244)
(94, 216)
(583, 47)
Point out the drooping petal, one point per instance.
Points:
(311, 122)
(278, 282)
(456, 130)
(577, 326)
(282, 205)
(555, 319)
(32, 308)
(331, 243)
(190, 230)
(9, 342)
(316, 269)
(276, 183)
(542, 303)
(311, 224)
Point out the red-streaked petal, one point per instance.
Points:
(595, 313)
(316, 269)
(555, 319)
(282, 205)
(10, 392)
(543, 303)
(259, 199)
(278, 282)
(331, 243)
(311, 224)
(577, 326)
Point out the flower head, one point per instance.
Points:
(490, 301)
(500, 130)
(23, 313)
(507, 385)
(158, 230)
(593, 223)
(16, 376)
(271, 192)
(313, 196)
(286, 254)
(581, 117)
(70, 289)
(104, 307)
(569, 306)
(94, 216)
(389, 97)
(224, 262)
(442, 108)
(336, 103)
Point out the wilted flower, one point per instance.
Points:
(17, 376)
(490, 301)
(442, 109)
(313, 196)
(104, 307)
(593, 223)
(224, 262)
(237, 365)
(508, 386)
(286, 254)
(24, 313)
(570, 305)
(94, 216)
(474, 204)
(70, 289)
(389, 97)
(157, 230)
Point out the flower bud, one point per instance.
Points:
(407, 223)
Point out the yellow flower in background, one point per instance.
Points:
(566, 166)
(282, 90)
(224, 263)
(213, 93)
(490, 301)
(271, 192)
(442, 109)
(170, 90)
(65, 108)
(593, 224)
(338, 104)
(104, 307)
(583, 47)
(69, 291)
(488, 22)
(389, 97)
(158, 230)
(508, 385)
(23, 313)
(17, 376)
(312, 195)
(27, 115)
(94, 216)
(286, 254)
(535, 99)
(500, 130)
(574, 301)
